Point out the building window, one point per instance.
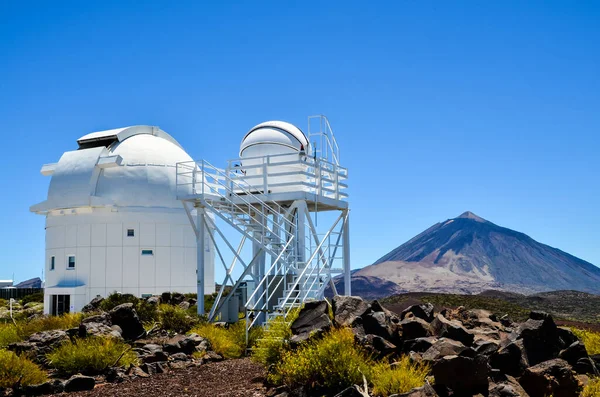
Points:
(71, 262)
(130, 232)
(147, 252)
(52, 259)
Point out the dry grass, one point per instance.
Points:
(10, 333)
(274, 343)
(399, 377)
(590, 339)
(91, 355)
(324, 366)
(229, 342)
(14, 369)
(592, 389)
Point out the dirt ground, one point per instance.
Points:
(226, 378)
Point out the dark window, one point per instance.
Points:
(52, 263)
(130, 233)
(147, 252)
(71, 262)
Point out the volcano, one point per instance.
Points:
(469, 254)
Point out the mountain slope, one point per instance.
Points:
(469, 254)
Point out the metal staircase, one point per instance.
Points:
(289, 280)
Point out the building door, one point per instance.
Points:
(60, 304)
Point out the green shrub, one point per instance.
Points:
(229, 342)
(147, 312)
(9, 333)
(590, 339)
(115, 299)
(222, 340)
(3, 303)
(15, 369)
(90, 355)
(274, 343)
(325, 365)
(174, 318)
(397, 378)
(48, 323)
(592, 389)
(37, 297)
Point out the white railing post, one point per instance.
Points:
(265, 169)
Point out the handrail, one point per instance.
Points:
(312, 257)
(243, 199)
(256, 288)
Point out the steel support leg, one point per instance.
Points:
(200, 230)
(346, 232)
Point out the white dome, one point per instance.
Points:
(127, 167)
(146, 177)
(275, 133)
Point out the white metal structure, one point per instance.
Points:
(271, 196)
(6, 283)
(113, 221)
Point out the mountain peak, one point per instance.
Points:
(470, 215)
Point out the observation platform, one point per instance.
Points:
(281, 179)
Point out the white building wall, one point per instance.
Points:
(108, 260)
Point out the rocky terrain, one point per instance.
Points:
(564, 305)
(468, 255)
(470, 352)
(466, 351)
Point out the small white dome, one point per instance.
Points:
(275, 133)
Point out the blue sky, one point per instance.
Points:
(439, 107)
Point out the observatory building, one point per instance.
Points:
(114, 222)
(270, 197)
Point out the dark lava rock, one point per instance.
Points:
(94, 305)
(486, 348)
(165, 297)
(573, 353)
(177, 298)
(566, 337)
(153, 300)
(462, 375)
(424, 312)
(156, 356)
(179, 357)
(50, 387)
(312, 317)
(79, 383)
(40, 344)
(378, 346)
(413, 328)
(447, 347)
(382, 322)
(510, 359)
(346, 309)
(423, 391)
(126, 317)
(103, 318)
(115, 375)
(154, 368)
(586, 366)
(419, 345)
(508, 387)
(552, 377)
(452, 329)
(541, 341)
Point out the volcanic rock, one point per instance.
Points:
(126, 317)
(552, 377)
